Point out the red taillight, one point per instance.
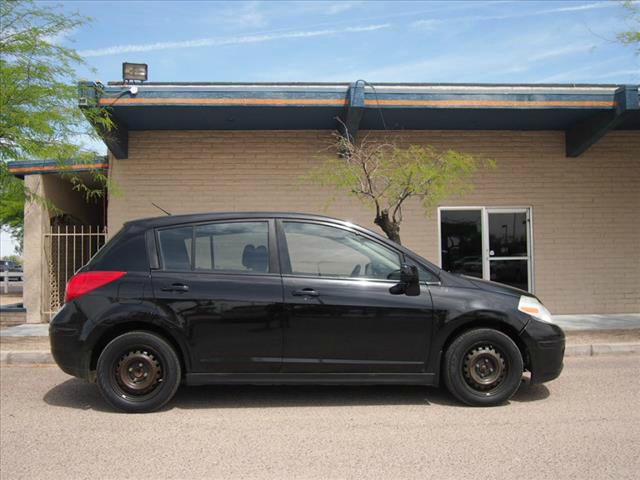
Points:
(87, 281)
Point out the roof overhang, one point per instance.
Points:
(584, 112)
(34, 167)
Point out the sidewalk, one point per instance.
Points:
(620, 321)
(587, 335)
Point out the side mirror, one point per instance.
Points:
(408, 273)
(409, 281)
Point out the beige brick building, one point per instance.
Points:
(566, 189)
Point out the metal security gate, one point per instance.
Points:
(66, 249)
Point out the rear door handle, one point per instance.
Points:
(305, 292)
(176, 287)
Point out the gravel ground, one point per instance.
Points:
(586, 424)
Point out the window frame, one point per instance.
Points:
(484, 219)
(274, 263)
(283, 251)
(411, 260)
(161, 251)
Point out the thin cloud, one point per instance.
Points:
(594, 73)
(431, 23)
(586, 6)
(339, 8)
(465, 64)
(326, 8)
(210, 42)
(244, 15)
(633, 73)
(248, 15)
(428, 24)
(591, 74)
(561, 52)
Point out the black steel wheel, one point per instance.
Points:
(483, 367)
(138, 372)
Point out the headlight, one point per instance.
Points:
(533, 307)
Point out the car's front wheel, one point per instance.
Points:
(138, 372)
(483, 367)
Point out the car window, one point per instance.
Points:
(127, 251)
(325, 251)
(424, 274)
(175, 247)
(234, 246)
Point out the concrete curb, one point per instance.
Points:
(601, 349)
(43, 357)
(26, 357)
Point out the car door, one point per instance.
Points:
(221, 282)
(340, 315)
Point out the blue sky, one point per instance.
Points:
(384, 41)
(465, 41)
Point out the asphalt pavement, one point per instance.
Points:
(586, 424)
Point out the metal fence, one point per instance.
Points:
(66, 249)
(10, 280)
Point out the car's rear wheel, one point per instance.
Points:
(138, 372)
(483, 367)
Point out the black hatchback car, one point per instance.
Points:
(283, 298)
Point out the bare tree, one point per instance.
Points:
(386, 175)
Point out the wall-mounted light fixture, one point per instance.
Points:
(134, 72)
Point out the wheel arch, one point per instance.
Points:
(482, 322)
(118, 329)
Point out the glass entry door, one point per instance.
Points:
(507, 232)
(489, 243)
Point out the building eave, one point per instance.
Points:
(361, 105)
(35, 167)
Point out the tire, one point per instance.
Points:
(483, 367)
(138, 372)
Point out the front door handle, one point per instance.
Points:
(176, 287)
(305, 292)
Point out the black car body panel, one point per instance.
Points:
(346, 328)
(261, 327)
(545, 344)
(226, 328)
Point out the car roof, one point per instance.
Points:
(176, 220)
(171, 220)
(168, 220)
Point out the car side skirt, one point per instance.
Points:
(429, 379)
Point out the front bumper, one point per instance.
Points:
(545, 345)
(67, 347)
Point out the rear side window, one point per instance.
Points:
(175, 246)
(236, 247)
(126, 251)
(229, 247)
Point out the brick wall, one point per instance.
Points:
(586, 210)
